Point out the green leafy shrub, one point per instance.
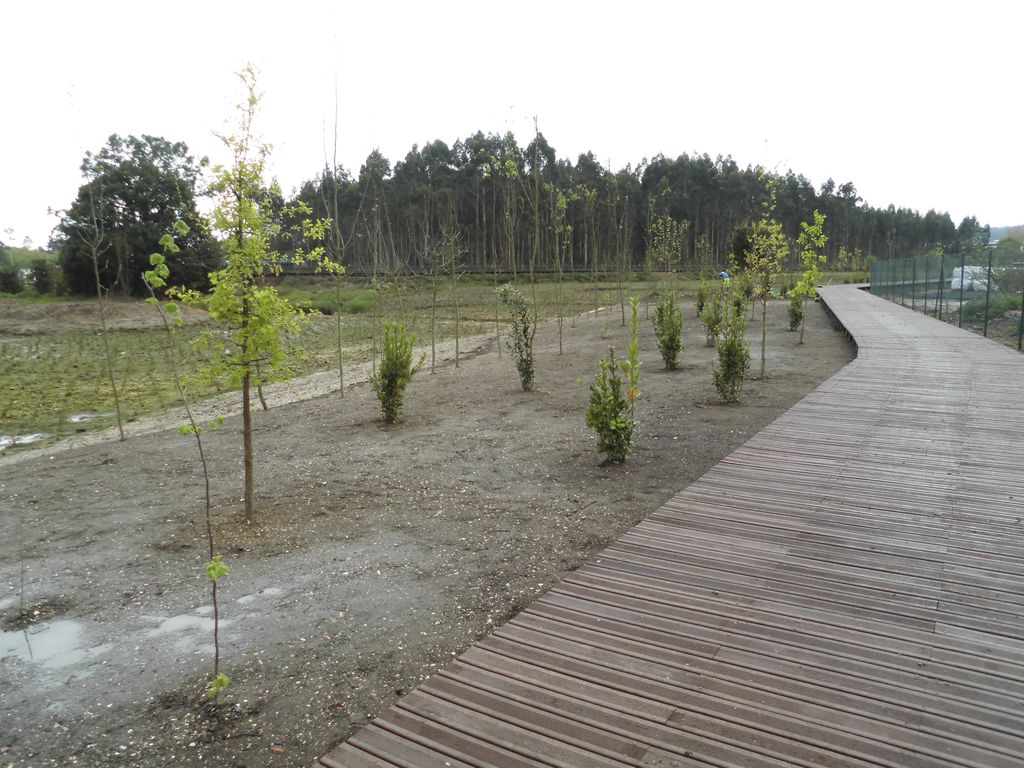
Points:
(609, 412)
(711, 318)
(733, 358)
(796, 310)
(998, 305)
(668, 327)
(10, 280)
(739, 302)
(520, 337)
(702, 299)
(745, 289)
(395, 372)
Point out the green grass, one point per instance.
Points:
(49, 378)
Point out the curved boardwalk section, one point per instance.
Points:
(847, 589)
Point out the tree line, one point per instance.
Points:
(490, 205)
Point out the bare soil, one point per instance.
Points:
(379, 554)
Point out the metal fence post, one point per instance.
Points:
(927, 270)
(913, 287)
(942, 279)
(1020, 322)
(988, 288)
(960, 322)
(903, 282)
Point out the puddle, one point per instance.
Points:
(268, 592)
(55, 645)
(189, 631)
(34, 437)
(87, 416)
(181, 623)
(16, 441)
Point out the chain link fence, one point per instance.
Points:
(982, 291)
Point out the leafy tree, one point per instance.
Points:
(560, 201)
(811, 242)
(134, 191)
(42, 276)
(768, 247)
(170, 316)
(254, 315)
(631, 365)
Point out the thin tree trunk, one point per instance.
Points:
(247, 445)
(259, 388)
(433, 319)
(764, 331)
(101, 301)
(455, 292)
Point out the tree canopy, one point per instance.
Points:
(482, 185)
(135, 189)
(387, 216)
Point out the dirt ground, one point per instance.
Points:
(21, 318)
(380, 552)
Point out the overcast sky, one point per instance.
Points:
(919, 104)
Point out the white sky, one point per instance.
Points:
(919, 104)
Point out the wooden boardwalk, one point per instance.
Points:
(847, 589)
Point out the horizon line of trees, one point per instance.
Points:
(508, 208)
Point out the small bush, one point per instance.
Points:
(668, 327)
(745, 289)
(702, 299)
(520, 336)
(711, 318)
(10, 280)
(998, 305)
(733, 359)
(609, 412)
(796, 311)
(362, 303)
(395, 372)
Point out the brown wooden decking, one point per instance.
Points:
(847, 589)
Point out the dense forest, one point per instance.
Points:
(510, 208)
(485, 204)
